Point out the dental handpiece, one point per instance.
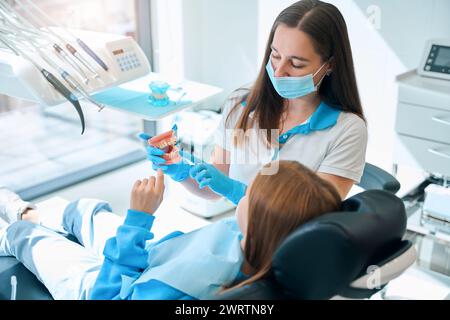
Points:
(66, 93)
(61, 53)
(90, 52)
(71, 81)
(77, 87)
(83, 61)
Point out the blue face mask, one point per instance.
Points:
(293, 87)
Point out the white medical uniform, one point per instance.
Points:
(332, 142)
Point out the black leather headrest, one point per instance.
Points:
(326, 254)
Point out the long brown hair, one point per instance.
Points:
(278, 205)
(326, 26)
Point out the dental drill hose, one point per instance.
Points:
(50, 78)
(71, 81)
(66, 93)
(83, 45)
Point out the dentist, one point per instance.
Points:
(305, 101)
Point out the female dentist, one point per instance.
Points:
(305, 99)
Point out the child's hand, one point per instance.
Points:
(147, 194)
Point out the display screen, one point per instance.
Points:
(116, 52)
(443, 57)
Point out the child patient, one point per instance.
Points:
(115, 259)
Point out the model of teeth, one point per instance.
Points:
(167, 142)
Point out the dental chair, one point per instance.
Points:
(351, 254)
(329, 257)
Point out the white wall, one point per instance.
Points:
(391, 45)
(208, 41)
(167, 38)
(220, 42)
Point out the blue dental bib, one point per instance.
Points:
(197, 263)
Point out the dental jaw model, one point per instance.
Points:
(167, 142)
(158, 93)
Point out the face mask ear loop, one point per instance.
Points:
(320, 69)
(320, 82)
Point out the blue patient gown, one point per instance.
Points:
(193, 265)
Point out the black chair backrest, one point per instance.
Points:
(322, 257)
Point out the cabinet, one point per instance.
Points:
(423, 123)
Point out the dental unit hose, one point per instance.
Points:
(52, 80)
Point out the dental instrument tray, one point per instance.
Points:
(436, 208)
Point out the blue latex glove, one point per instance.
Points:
(177, 171)
(207, 175)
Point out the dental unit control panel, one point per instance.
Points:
(128, 58)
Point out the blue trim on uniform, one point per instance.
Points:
(323, 118)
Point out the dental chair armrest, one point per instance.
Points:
(389, 269)
(380, 274)
(375, 178)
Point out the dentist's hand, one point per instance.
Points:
(207, 175)
(177, 171)
(147, 195)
